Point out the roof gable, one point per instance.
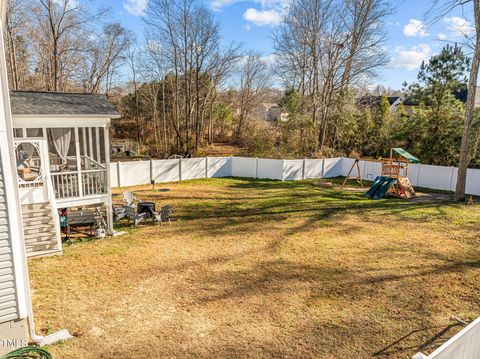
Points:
(57, 103)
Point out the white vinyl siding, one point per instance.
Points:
(8, 297)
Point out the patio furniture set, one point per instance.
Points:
(135, 211)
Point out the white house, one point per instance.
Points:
(62, 158)
(270, 112)
(15, 302)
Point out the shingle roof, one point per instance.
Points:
(371, 100)
(56, 103)
(459, 95)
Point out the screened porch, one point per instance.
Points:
(77, 159)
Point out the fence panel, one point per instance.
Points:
(313, 168)
(293, 170)
(371, 170)
(219, 167)
(271, 169)
(435, 177)
(166, 170)
(114, 174)
(134, 173)
(464, 345)
(244, 167)
(333, 167)
(473, 182)
(193, 168)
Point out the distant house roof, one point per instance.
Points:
(371, 100)
(459, 95)
(57, 103)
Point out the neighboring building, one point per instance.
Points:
(373, 102)
(270, 112)
(410, 104)
(62, 159)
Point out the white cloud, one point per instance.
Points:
(135, 7)
(442, 36)
(270, 60)
(415, 28)
(409, 58)
(262, 17)
(459, 26)
(219, 4)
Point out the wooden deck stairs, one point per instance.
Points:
(39, 230)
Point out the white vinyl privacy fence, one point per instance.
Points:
(464, 345)
(144, 172)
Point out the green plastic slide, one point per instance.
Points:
(380, 187)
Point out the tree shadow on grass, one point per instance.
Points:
(401, 345)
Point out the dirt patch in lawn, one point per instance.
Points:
(266, 269)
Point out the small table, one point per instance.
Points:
(146, 207)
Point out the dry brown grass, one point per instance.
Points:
(266, 269)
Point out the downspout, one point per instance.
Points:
(39, 339)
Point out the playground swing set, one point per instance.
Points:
(394, 176)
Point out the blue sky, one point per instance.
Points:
(410, 38)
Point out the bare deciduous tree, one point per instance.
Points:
(254, 81)
(104, 52)
(324, 46)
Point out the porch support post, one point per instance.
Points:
(84, 140)
(97, 140)
(90, 143)
(79, 164)
(106, 139)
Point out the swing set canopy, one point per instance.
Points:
(411, 158)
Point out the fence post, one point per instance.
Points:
(206, 167)
(231, 166)
(256, 167)
(179, 169)
(323, 168)
(151, 170)
(303, 169)
(118, 174)
(451, 178)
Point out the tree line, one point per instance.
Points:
(187, 89)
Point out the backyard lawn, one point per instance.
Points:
(256, 268)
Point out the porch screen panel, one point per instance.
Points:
(102, 145)
(18, 132)
(83, 141)
(93, 155)
(34, 132)
(61, 148)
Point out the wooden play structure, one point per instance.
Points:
(396, 167)
(394, 176)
